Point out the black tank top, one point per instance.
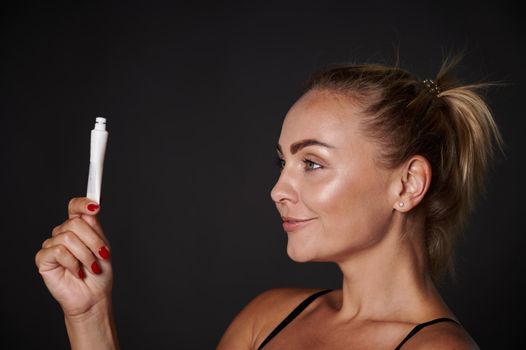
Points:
(312, 297)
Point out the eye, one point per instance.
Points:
(310, 165)
(280, 163)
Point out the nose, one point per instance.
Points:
(284, 190)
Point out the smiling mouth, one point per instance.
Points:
(292, 224)
(292, 219)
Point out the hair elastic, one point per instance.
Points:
(431, 86)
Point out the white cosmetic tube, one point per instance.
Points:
(99, 138)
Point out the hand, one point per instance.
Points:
(74, 262)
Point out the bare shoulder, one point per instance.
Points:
(442, 336)
(275, 305)
(259, 317)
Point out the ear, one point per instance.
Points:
(413, 180)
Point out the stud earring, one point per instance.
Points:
(400, 204)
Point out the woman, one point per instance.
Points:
(378, 173)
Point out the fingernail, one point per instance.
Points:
(93, 207)
(104, 253)
(82, 274)
(95, 268)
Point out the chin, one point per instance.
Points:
(300, 253)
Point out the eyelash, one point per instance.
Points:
(281, 163)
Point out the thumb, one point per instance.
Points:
(87, 210)
(93, 221)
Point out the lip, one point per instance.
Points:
(293, 224)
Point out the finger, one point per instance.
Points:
(97, 228)
(45, 243)
(96, 243)
(48, 259)
(87, 209)
(82, 205)
(76, 247)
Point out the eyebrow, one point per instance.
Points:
(295, 147)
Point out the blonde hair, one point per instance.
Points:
(447, 123)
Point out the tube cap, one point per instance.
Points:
(100, 123)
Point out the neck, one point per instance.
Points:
(389, 280)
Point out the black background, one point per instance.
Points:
(195, 95)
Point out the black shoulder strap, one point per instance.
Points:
(423, 325)
(293, 315)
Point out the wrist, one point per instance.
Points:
(93, 329)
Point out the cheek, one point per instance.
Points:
(349, 204)
(340, 192)
(321, 193)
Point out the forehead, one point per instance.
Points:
(322, 115)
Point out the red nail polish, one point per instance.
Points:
(82, 274)
(104, 253)
(95, 268)
(93, 207)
